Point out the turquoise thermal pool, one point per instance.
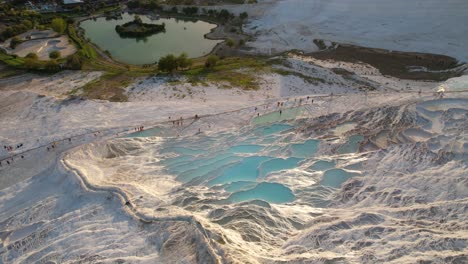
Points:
(257, 163)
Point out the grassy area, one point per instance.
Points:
(237, 72)
(311, 80)
(10, 60)
(8, 71)
(83, 47)
(20, 64)
(110, 86)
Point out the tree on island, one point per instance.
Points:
(138, 29)
(137, 20)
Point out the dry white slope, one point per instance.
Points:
(431, 26)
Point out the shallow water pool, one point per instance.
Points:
(243, 164)
(352, 145)
(270, 192)
(306, 149)
(246, 149)
(335, 177)
(286, 114)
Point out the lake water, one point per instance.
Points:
(180, 36)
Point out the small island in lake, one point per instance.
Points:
(138, 29)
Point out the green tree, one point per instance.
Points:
(190, 11)
(31, 64)
(243, 15)
(58, 25)
(167, 63)
(224, 15)
(230, 43)
(54, 54)
(137, 19)
(52, 66)
(27, 23)
(32, 56)
(75, 62)
(14, 42)
(183, 61)
(211, 61)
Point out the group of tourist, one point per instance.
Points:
(11, 148)
(178, 122)
(281, 104)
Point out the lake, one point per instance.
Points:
(180, 36)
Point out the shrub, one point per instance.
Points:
(74, 62)
(243, 15)
(230, 43)
(211, 61)
(54, 54)
(14, 42)
(170, 62)
(52, 66)
(225, 15)
(167, 63)
(32, 56)
(183, 61)
(31, 64)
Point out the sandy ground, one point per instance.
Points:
(42, 43)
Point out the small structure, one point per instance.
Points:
(440, 91)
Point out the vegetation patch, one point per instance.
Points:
(309, 79)
(237, 72)
(395, 63)
(84, 48)
(6, 71)
(109, 87)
